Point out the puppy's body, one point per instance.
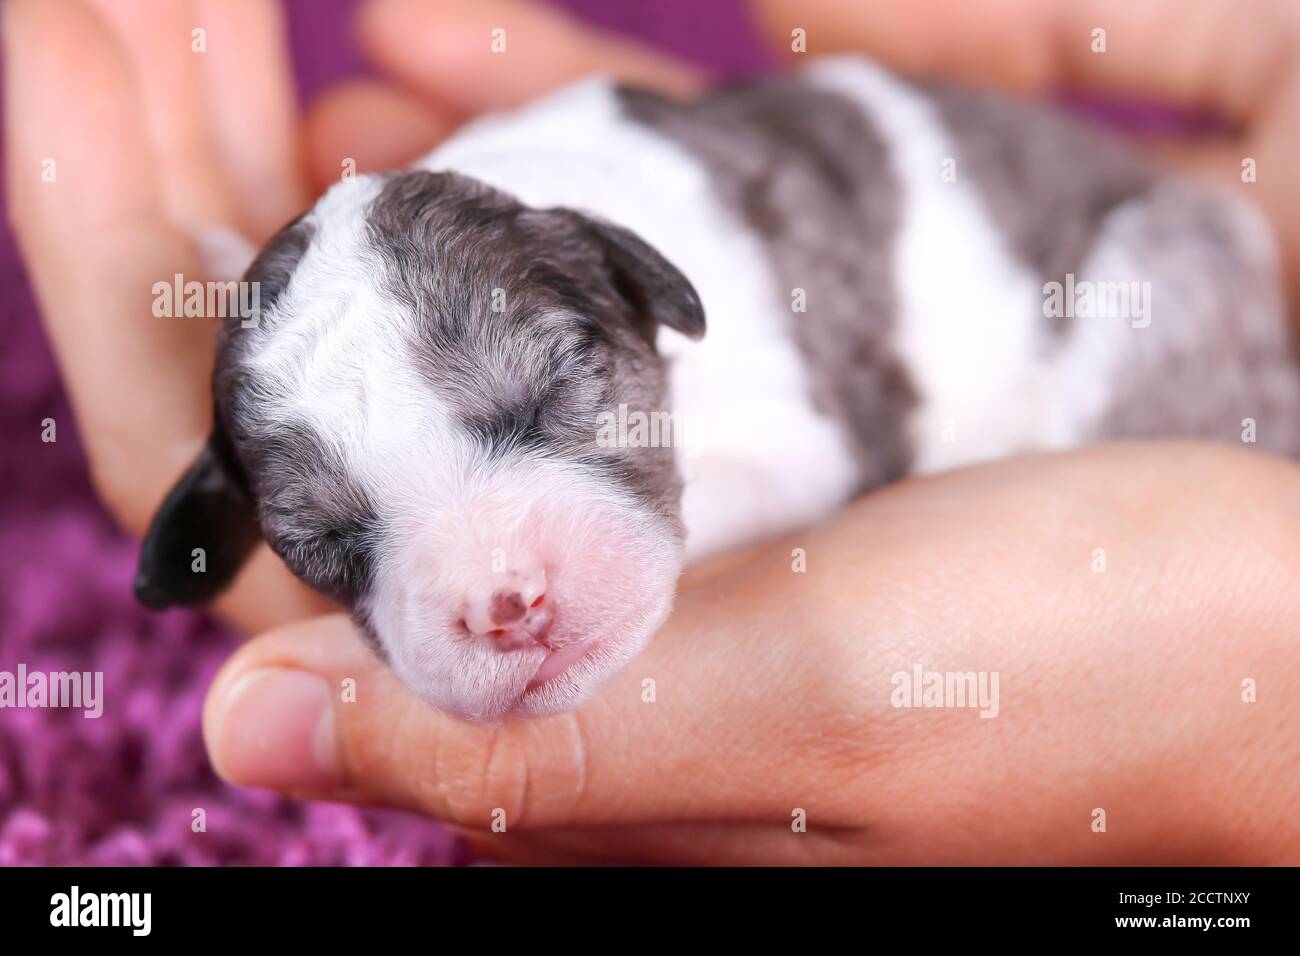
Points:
(415, 425)
(872, 258)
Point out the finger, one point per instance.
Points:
(492, 54)
(219, 100)
(155, 40)
(1217, 56)
(741, 729)
(88, 214)
(266, 595)
(945, 38)
(250, 100)
(364, 126)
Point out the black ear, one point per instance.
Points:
(652, 285)
(210, 509)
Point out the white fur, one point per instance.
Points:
(968, 313)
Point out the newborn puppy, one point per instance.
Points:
(480, 410)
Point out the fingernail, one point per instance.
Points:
(275, 729)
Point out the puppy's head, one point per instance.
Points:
(413, 424)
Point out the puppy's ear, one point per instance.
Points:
(202, 533)
(655, 289)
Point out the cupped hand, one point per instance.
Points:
(762, 726)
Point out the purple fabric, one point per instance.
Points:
(122, 789)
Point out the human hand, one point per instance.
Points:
(143, 144)
(772, 690)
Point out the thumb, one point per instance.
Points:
(309, 710)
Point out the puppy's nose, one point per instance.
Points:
(513, 615)
(506, 607)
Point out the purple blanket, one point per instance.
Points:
(123, 788)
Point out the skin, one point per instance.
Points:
(1119, 690)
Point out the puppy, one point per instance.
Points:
(480, 410)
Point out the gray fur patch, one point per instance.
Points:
(807, 171)
(312, 511)
(533, 322)
(1048, 179)
(1217, 354)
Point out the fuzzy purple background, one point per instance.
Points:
(120, 790)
